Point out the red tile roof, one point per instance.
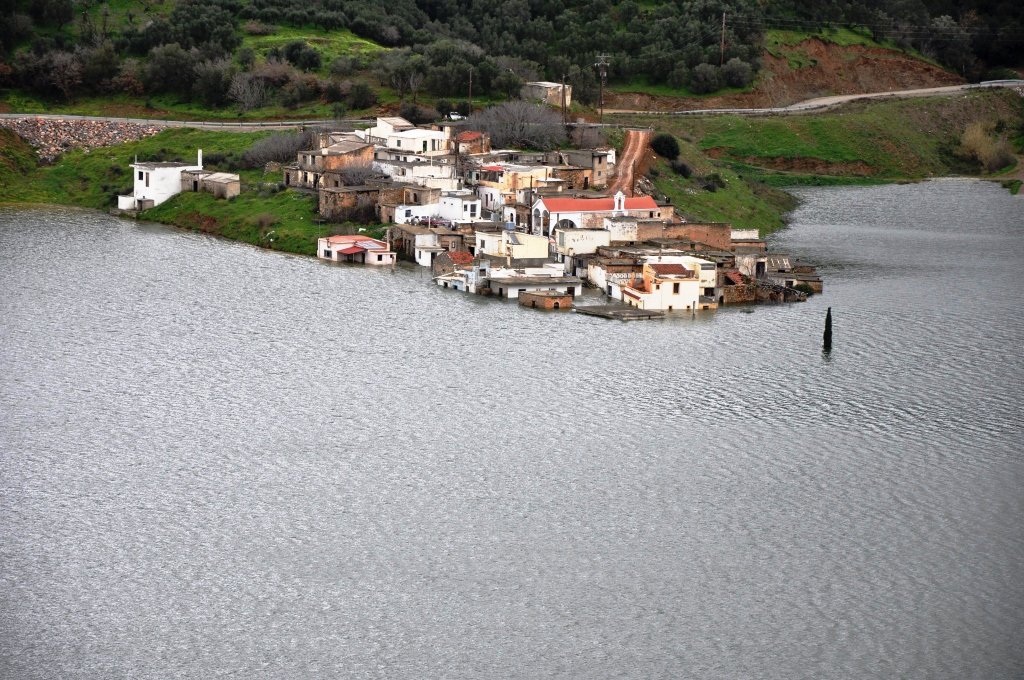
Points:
(493, 168)
(461, 257)
(670, 270)
(339, 239)
(469, 135)
(735, 277)
(352, 250)
(560, 205)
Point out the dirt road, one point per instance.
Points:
(629, 163)
(827, 102)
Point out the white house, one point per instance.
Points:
(419, 141)
(514, 244)
(385, 127)
(568, 213)
(572, 242)
(436, 175)
(510, 283)
(155, 183)
(664, 286)
(354, 248)
(455, 206)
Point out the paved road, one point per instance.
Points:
(240, 126)
(636, 142)
(827, 102)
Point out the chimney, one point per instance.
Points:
(200, 159)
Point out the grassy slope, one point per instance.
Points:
(745, 203)
(92, 179)
(890, 139)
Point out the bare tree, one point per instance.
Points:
(415, 82)
(354, 175)
(248, 90)
(65, 73)
(519, 123)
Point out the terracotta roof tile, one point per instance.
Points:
(670, 270)
(461, 257)
(561, 205)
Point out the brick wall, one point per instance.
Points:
(718, 235)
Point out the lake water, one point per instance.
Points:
(216, 460)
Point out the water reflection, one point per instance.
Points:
(220, 460)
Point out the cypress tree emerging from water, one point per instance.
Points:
(828, 330)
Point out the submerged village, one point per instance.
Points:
(526, 225)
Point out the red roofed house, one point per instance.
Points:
(449, 261)
(354, 248)
(589, 213)
(664, 286)
(472, 141)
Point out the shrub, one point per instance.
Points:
(417, 115)
(736, 73)
(680, 167)
(265, 220)
(804, 288)
(361, 96)
(246, 57)
(977, 145)
(302, 56)
(344, 66)
(333, 92)
(254, 27)
(665, 145)
(704, 79)
(678, 77)
(462, 108)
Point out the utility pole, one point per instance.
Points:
(565, 121)
(470, 89)
(721, 61)
(603, 66)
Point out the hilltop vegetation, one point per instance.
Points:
(270, 57)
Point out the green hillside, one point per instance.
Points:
(283, 57)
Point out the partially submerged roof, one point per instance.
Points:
(460, 257)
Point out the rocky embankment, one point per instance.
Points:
(50, 138)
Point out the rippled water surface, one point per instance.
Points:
(216, 460)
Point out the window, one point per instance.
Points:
(398, 143)
(650, 214)
(140, 174)
(408, 213)
(147, 179)
(675, 288)
(380, 258)
(424, 146)
(657, 286)
(327, 253)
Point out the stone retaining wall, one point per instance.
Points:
(51, 138)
